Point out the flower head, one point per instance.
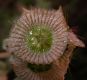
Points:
(39, 36)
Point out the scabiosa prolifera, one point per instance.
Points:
(39, 36)
(39, 40)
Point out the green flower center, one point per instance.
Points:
(39, 68)
(39, 39)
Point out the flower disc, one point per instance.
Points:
(39, 39)
(39, 36)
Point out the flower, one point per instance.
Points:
(39, 36)
(41, 45)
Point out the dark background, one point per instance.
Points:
(75, 12)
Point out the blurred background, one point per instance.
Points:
(75, 12)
